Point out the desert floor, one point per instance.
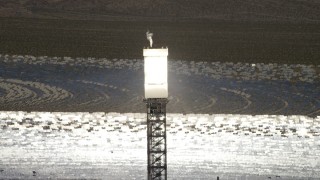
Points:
(232, 120)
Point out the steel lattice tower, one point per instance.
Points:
(156, 137)
(156, 99)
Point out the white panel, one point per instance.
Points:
(155, 70)
(156, 73)
(156, 91)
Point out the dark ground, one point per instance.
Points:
(80, 87)
(224, 41)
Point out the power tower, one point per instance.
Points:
(156, 94)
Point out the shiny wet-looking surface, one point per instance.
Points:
(95, 85)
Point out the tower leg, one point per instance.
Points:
(157, 138)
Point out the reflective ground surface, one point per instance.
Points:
(91, 85)
(274, 144)
(200, 146)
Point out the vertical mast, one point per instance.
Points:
(157, 139)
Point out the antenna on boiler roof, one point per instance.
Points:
(149, 37)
